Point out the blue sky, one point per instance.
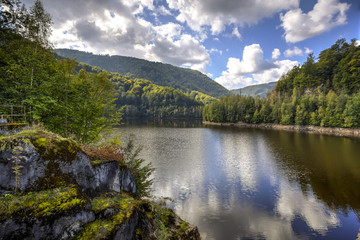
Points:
(235, 42)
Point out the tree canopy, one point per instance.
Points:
(325, 93)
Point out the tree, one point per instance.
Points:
(92, 106)
(38, 25)
(66, 67)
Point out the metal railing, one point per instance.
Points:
(14, 114)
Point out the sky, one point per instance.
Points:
(235, 42)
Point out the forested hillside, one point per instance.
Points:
(142, 98)
(260, 90)
(325, 93)
(160, 74)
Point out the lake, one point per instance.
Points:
(255, 184)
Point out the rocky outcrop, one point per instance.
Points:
(49, 189)
(111, 177)
(47, 162)
(45, 228)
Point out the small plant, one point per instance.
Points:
(140, 172)
(104, 152)
(16, 159)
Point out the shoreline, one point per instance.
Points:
(341, 132)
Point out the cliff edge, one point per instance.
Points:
(50, 189)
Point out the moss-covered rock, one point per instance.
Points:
(38, 160)
(50, 190)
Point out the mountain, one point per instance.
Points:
(144, 99)
(160, 74)
(254, 90)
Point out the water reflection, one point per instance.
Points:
(246, 183)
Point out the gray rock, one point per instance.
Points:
(62, 227)
(33, 168)
(3, 121)
(111, 176)
(127, 229)
(38, 171)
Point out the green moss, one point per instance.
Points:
(167, 223)
(102, 228)
(120, 201)
(98, 229)
(40, 204)
(41, 142)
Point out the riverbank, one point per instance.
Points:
(343, 132)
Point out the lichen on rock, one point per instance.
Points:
(58, 194)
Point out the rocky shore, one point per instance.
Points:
(49, 189)
(344, 132)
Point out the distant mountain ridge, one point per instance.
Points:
(184, 79)
(254, 90)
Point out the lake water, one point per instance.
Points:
(255, 184)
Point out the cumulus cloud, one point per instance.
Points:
(253, 68)
(276, 53)
(274, 74)
(325, 15)
(117, 28)
(296, 52)
(252, 61)
(216, 14)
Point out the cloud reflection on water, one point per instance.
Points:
(232, 184)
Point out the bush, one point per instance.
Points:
(140, 172)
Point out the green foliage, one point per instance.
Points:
(140, 171)
(167, 224)
(16, 159)
(158, 73)
(201, 97)
(143, 99)
(66, 102)
(323, 93)
(40, 204)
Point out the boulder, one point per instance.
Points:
(37, 163)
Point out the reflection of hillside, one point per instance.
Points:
(330, 165)
(171, 123)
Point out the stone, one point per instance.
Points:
(41, 169)
(3, 121)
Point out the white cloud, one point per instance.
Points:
(186, 51)
(215, 50)
(251, 62)
(276, 53)
(296, 52)
(217, 14)
(325, 15)
(170, 30)
(308, 51)
(236, 33)
(293, 52)
(274, 74)
(163, 10)
(253, 68)
(114, 27)
(233, 81)
(357, 43)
